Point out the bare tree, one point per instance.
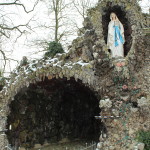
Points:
(58, 9)
(82, 6)
(8, 27)
(57, 26)
(63, 18)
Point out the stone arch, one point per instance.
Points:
(35, 72)
(73, 108)
(32, 73)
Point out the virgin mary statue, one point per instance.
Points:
(115, 39)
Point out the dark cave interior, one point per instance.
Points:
(123, 19)
(52, 110)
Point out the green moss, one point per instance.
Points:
(144, 137)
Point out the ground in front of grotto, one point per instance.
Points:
(67, 145)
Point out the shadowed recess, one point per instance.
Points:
(52, 110)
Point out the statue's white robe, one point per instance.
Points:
(116, 51)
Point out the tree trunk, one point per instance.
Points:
(56, 20)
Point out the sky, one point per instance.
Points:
(25, 48)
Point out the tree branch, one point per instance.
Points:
(5, 28)
(16, 2)
(4, 56)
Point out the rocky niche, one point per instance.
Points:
(51, 110)
(121, 14)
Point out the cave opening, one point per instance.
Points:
(121, 14)
(51, 110)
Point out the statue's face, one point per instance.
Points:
(113, 16)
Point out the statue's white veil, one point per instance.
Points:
(111, 16)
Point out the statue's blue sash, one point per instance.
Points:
(118, 35)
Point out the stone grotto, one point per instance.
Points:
(84, 93)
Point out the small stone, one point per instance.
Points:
(100, 60)
(135, 147)
(124, 97)
(141, 146)
(100, 145)
(116, 136)
(37, 146)
(143, 101)
(92, 62)
(64, 140)
(105, 103)
(134, 110)
(22, 148)
(131, 131)
(111, 147)
(115, 112)
(95, 55)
